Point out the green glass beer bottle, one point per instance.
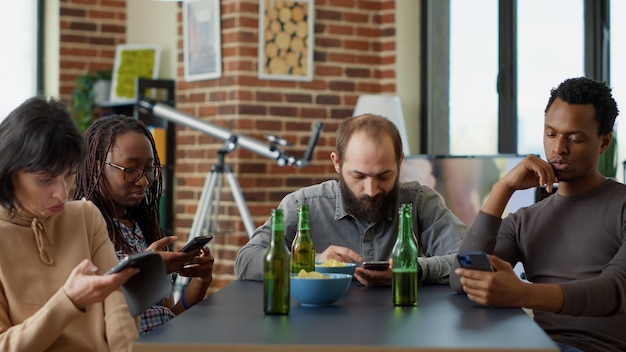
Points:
(276, 273)
(302, 248)
(404, 257)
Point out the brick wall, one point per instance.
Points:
(354, 54)
(90, 30)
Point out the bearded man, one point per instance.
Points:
(354, 219)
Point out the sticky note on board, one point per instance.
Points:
(160, 141)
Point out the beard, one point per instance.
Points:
(370, 209)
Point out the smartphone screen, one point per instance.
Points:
(476, 260)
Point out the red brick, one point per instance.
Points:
(363, 45)
(328, 42)
(355, 17)
(298, 98)
(347, 86)
(327, 99)
(341, 30)
(313, 112)
(321, 15)
(282, 111)
(357, 72)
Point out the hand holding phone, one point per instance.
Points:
(476, 260)
(196, 243)
(376, 265)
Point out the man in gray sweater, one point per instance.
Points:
(572, 244)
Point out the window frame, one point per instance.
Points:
(435, 40)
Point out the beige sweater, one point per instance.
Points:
(35, 312)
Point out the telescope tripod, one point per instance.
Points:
(209, 204)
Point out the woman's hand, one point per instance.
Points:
(200, 266)
(174, 261)
(84, 288)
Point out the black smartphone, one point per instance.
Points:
(134, 260)
(476, 260)
(196, 243)
(376, 265)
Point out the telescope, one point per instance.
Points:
(205, 220)
(270, 151)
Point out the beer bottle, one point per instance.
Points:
(302, 248)
(276, 274)
(404, 257)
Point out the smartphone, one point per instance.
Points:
(376, 265)
(196, 243)
(476, 260)
(135, 260)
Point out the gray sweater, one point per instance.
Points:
(577, 242)
(438, 230)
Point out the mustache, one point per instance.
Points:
(373, 199)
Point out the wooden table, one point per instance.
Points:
(364, 319)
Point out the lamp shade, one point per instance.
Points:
(388, 106)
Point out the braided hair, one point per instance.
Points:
(101, 137)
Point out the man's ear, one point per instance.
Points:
(606, 142)
(335, 158)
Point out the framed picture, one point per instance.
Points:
(286, 40)
(132, 61)
(202, 40)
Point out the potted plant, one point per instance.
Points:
(84, 96)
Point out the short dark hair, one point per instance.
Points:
(374, 126)
(583, 90)
(38, 136)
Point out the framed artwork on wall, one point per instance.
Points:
(202, 40)
(286, 40)
(131, 62)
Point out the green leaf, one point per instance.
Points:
(607, 164)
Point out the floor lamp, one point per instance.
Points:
(388, 106)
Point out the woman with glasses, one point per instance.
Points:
(122, 176)
(53, 296)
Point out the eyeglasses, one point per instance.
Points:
(134, 174)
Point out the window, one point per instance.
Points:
(19, 69)
(550, 49)
(473, 73)
(618, 76)
(536, 44)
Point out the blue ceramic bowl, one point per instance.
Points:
(319, 292)
(347, 268)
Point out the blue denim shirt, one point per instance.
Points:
(438, 231)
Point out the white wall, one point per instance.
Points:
(155, 22)
(51, 48)
(18, 26)
(408, 66)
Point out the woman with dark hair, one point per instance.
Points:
(122, 177)
(52, 252)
